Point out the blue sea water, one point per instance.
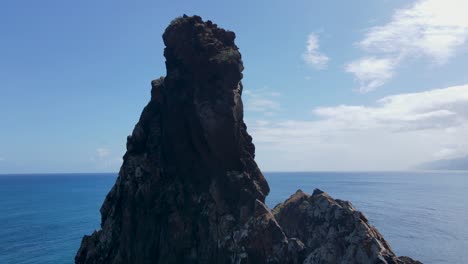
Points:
(422, 214)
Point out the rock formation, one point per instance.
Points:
(333, 231)
(189, 190)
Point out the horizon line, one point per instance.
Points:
(275, 171)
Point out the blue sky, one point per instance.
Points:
(329, 85)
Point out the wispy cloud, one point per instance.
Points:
(398, 132)
(446, 153)
(434, 29)
(102, 152)
(106, 159)
(263, 101)
(312, 55)
(439, 108)
(372, 72)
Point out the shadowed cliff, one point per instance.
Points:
(189, 190)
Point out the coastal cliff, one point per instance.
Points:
(189, 190)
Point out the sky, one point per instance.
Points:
(328, 85)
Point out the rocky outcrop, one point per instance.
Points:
(333, 231)
(189, 190)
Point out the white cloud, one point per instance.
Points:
(398, 132)
(439, 108)
(372, 72)
(106, 159)
(102, 152)
(312, 55)
(435, 29)
(262, 101)
(445, 153)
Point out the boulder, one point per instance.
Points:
(333, 231)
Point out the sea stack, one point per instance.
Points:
(189, 190)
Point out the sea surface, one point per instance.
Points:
(422, 214)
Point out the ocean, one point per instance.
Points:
(423, 215)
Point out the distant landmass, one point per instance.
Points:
(446, 164)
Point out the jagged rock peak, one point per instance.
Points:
(192, 42)
(189, 190)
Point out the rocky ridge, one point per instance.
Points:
(189, 190)
(333, 231)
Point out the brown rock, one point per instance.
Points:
(189, 190)
(333, 231)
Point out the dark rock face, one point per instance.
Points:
(189, 190)
(333, 231)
